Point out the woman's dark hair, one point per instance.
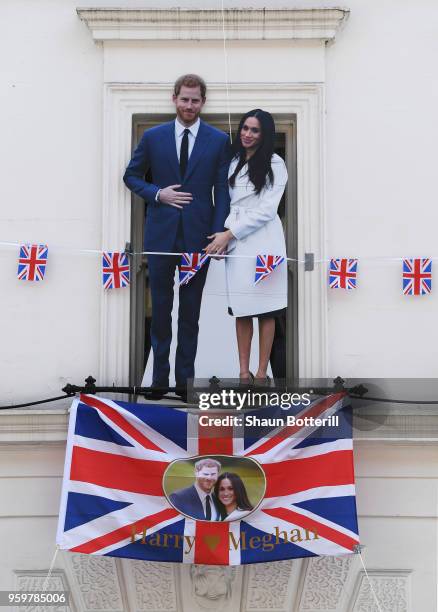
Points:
(259, 164)
(242, 499)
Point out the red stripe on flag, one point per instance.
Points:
(120, 421)
(417, 279)
(212, 543)
(115, 270)
(118, 535)
(215, 440)
(329, 469)
(117, 472)
(287, 432)
(33, 260)
(307, 523)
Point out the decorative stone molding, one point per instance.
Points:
(30, 580)
(386, 425)
(150, 586)
(208, 588)
(50, 426)
(268, 586)
(324, 584)
(96, 583)
(195, 24)
(18, 426)
(391, 588)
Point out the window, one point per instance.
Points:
(284, 357)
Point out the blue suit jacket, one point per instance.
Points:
(207, 169)
(188, 502)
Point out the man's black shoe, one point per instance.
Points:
(156, 394)
(182, 394)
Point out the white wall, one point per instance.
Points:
(381, 185)
(397, 500)
(50, 192)
(381, 96)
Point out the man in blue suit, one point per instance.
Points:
(198, 500)
(188, 159)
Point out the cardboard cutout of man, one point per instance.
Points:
(188, 160)
(198, 500)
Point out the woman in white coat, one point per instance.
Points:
(257, 179)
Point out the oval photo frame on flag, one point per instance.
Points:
(214, 487)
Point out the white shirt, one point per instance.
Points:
(179, 133)
(203, 497)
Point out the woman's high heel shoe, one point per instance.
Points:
(245, 381)
(262, 382)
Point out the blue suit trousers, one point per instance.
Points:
(161, 277)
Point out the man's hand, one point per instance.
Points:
(174, 198)
(219, 243)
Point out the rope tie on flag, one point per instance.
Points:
(358, 550)
(52, 565)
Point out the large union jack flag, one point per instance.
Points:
(32, 262)
(343, 273)
(113, 502)
(190, 264)
(265, 264)
(417, 276)
(115, 270)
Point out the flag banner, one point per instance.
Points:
(115, 270)
(32, 262)
(343, 273)
(189, 265)
(150, 482)
(265, 264)
(417, 276)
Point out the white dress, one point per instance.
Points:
(254, 221)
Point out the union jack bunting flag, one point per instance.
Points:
(124, 468)
(343, 273)
(266, 264)
(115, 270)
(417, 276)
(32, 262)
(189, 265)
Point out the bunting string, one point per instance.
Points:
(116, 267)
(326, 260)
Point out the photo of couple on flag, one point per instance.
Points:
(207, 199)
(218, 492)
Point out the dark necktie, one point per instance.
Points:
(184, 153)
(208, 508)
